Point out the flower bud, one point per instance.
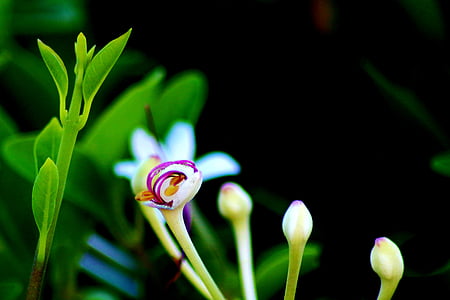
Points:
(234, 202)
(297, 223)
(386, 259)
(171, 184)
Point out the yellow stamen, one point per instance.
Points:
(144, 196)
(174, 185)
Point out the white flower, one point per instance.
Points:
(178, 145)
(171, 184)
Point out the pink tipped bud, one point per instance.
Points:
(234, 202)
(297, 223)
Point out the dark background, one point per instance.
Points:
(289, 98)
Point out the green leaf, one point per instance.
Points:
(47, 143)
(99, 294)
(27, 78)
(68, 247)
(17, 152)
(85, 187)
(7, 125)
(106, 141)
(407, 102)
(80, 53)
(10, 290)
(271, 273)
(183, 98)
(440, 163)
(101, 65)
(44, 195)
(57, 69)
(427, 16)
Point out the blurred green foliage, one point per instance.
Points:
(97, 203)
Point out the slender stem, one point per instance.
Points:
(295, 261)
(41, 248)
(36, 279)
(66, 147)
(172, 249)
(174, 219)
(244, 248)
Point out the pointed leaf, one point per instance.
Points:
(80, 53)
(47, 143)
(182, 99)
(101, 64)
(107, 140)
(44, 195)
(57, 69)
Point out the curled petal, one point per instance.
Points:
(171, 184)
(217, 164)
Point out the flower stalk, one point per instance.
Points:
(174, 219)
(236, 206)
(172, 249)
(170, 186)
(139, 184)
(297, 227)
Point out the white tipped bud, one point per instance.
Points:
(234, 202)
(297, 223)
(387, 261)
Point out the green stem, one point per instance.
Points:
(66, 148)
(295, 261)
(387, 290)
(244, 245)
(36, 279)
(172, 249)
(174, 219)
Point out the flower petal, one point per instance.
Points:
(125, 169)
(144, 145)
(217, 164)
(180, 142)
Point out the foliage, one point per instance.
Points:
(63, 199)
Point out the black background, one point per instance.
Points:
(297, 110)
